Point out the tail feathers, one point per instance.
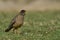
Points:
(8, 29)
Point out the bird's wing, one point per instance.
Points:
(13, 21)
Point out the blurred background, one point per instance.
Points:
(42, 19)
(9, 5)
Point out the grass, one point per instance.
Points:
(38, 25)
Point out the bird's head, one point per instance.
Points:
(22, 12)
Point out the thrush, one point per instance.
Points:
(17, 21)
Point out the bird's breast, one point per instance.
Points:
(19, 21)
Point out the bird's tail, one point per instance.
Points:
(9, 28)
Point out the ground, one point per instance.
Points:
(38, 25)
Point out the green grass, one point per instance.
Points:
(38, 25)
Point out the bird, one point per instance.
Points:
(16, 22)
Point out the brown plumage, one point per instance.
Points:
(17, 21)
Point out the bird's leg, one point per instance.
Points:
(16, 31)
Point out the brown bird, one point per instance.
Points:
(17, 21)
